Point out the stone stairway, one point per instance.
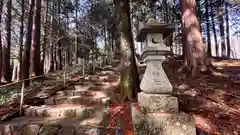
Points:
(80, 109)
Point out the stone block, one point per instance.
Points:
(155, 80)
(52, 112)
(48, 130)
(49, 101)
(74, 100)
(67, 112)
(60, 100)
(81, 113)
(86, 131)
(158, 103)
(81, 88)
(65, 93)
(40, 111)
(13, 127)
(31, 130)
(105, 101)
(66, 131)
(163, 123)
(30, 111)
(5, 129)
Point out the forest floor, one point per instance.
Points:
(213, 99)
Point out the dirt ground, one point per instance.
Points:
(214, 99)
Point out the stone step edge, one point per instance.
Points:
(77, 99)
(79, 92)
(34, 129)
(51, 111)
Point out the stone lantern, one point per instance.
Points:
(159, 112)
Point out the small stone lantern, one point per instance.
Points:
(159, 113)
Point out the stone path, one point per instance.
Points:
(80, 109)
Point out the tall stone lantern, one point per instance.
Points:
(158, 113)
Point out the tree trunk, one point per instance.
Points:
(69, 49)
(26, 55)
(45, 38)
(36, 28)
(129, 76)
(59, 49)
(51, 52)
(7, 19)
(192, 37)
(222, 34)
(21, 41)
(214, 31)
(198, 13)
(227, 32)
(14, 72)
(165, 11)
(1, 8)
(76, 37)
(209, 48)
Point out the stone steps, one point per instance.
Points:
(80, 92)
(77, 100)
(80, 109)
(52, 126)
(58, 120)
(80, 96)
(64, 111)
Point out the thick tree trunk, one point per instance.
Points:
(129, 76)
(69, 49)
(51, 52)
(1, 8)
(7, 19)
(76, 37)
(222, 34)
(36, 28)
(227, 32)
(198, 13)
(45, 38)
(192, 37)
(26, 55)
(59, 49)
(209, 50)
(214, 31)
(19, 74)
(165, 11)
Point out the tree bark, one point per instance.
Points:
(76, 37)
(69, 49)
(192, 37)
(36, 28)
(209, 48)
(222, 34)
(26, 55)
(45, 37)
(21, 41)
(51, 52)
(59, 49)
(1, 9)
(7, 19)
(227, 32)
(129, 76)
(214, 31)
